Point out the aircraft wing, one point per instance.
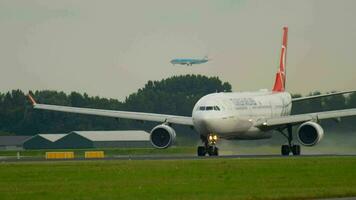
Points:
(174, 119)
(300, 118)
(321, 95)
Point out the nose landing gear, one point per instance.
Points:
(209, 146)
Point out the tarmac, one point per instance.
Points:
(171, 157)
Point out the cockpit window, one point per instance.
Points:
(208, 108)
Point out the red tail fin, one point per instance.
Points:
(280, 82)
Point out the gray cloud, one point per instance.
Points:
(111, 48)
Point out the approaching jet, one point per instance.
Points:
(234, 115)
(189, 61)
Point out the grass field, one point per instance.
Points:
(270, 178)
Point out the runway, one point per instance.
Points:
(172, 157)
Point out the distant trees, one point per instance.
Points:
(323, 104)
(175, 95)
(351, 101)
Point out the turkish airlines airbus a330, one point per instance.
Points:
(235, 115)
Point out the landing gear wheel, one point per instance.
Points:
(201, 151)
(216, 151)
(285, 150)
(213, 151)
(290, 147)
(209, 145)
(296, 150)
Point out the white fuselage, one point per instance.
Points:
(233, 115)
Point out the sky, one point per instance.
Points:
(112, 48)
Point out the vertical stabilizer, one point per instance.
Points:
(280, 82)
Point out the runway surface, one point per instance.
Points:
(173, 157)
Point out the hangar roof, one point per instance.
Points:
(52, 137)
(12, 140)
(131, 135)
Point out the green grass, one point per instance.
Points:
(109, 152)
(276, 178)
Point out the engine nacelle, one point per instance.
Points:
(310, 133)
(162, 136)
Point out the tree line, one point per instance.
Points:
(176, 95)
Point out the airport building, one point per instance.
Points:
(42, 141)
(12, 142)
(103, 139)
(90, 139)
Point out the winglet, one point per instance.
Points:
(32, 100)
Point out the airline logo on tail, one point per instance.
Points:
(279, 84)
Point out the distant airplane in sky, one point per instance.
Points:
(234, 116)
(189, 61)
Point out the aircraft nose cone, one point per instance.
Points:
(201, 119)
(206, 123)
(217, 124)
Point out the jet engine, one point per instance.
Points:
(310, 133)
(162, 136)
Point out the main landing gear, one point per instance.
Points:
(209, 146)
(290, 147)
